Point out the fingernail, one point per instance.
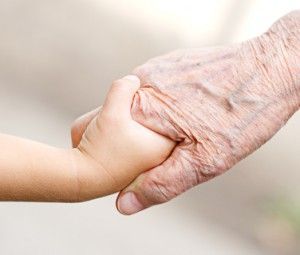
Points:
(129, 204)
(132, 78)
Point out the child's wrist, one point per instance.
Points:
(91, 179)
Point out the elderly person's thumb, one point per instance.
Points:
(159, 185)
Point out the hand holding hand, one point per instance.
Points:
(114, 148)
(219, 104)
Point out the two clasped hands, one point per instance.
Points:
(179, 120)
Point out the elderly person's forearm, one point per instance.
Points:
(280, 47)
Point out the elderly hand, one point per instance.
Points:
(219, 104)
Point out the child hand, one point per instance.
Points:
(114, 148)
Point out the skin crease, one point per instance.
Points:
(114, 149)
(219, 104)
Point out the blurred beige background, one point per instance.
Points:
(57, 60)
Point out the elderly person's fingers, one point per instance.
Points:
(177, 174)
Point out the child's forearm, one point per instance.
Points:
(113, 151)
(31, 171)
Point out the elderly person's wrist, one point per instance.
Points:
(275, 58)
(288, 30)
(284, 40)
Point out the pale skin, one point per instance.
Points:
(113, 151)
(218, 104)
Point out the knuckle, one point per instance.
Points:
(143, 70)
(210, 169)
(208, 163)
(159, 192)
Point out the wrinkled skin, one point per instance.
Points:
(219, 104)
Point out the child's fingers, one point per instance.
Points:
(79, 126)
(117, 103)
(119, 99)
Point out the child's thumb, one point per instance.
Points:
(119, 99)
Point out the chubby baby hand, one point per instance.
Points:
(114, 149)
